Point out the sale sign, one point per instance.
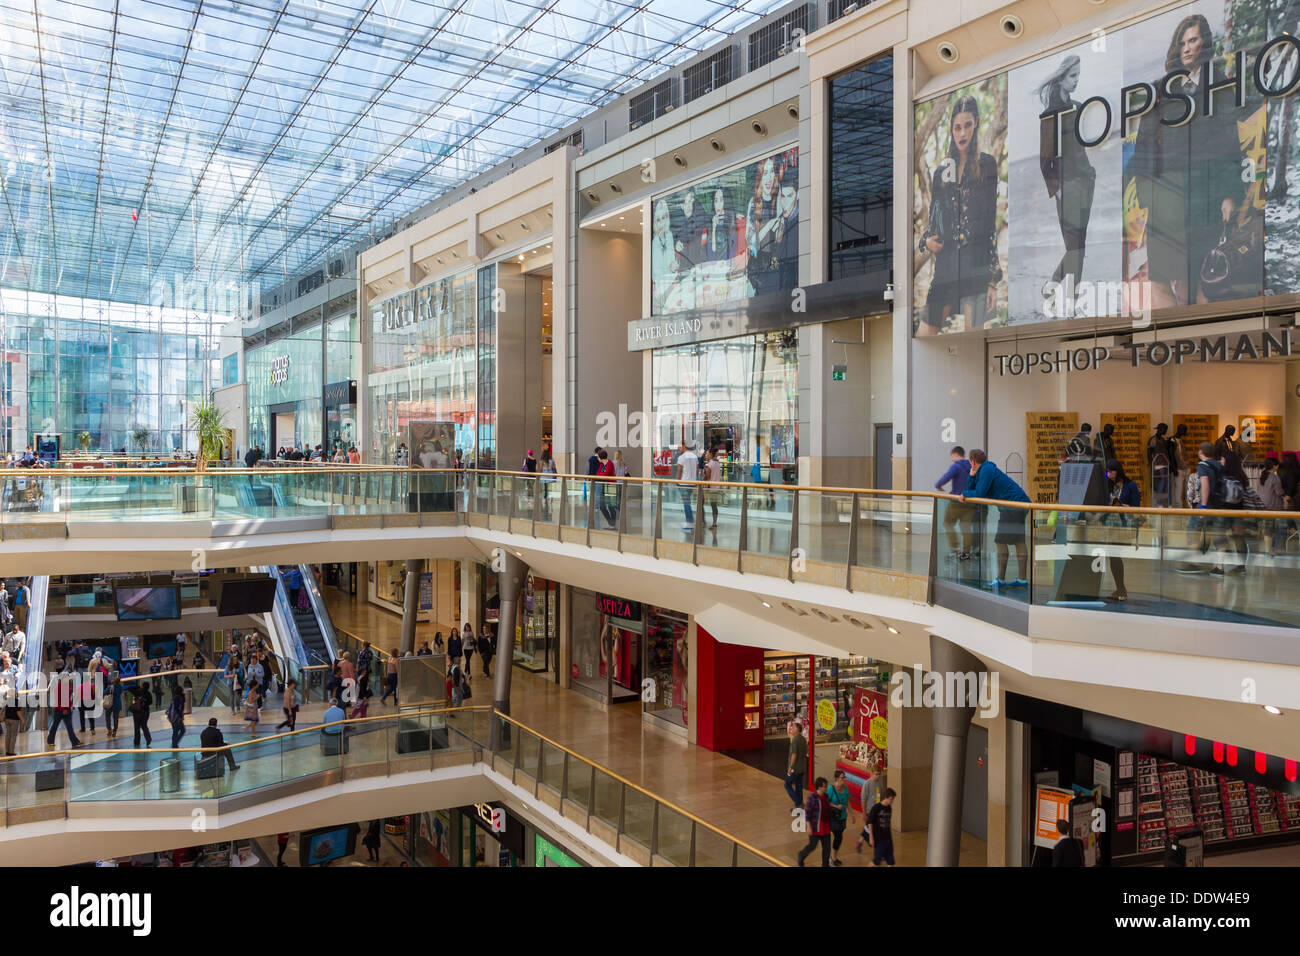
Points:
(871, 716)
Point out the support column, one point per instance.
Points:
(510, 585)
(951, 728)
(410, 605)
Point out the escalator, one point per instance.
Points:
(306, 631)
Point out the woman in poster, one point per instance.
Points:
(962, 229)
(761, 222)
(1067, 171)
(1188, 176)
(720, 229)
(663, 257)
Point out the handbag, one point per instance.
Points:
(1236, 261)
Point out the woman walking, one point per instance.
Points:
(467, 646)
(252, 709)
(390, 678)
(838, 795)
(290, 706)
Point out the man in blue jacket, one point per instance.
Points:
(957, 513)
(988, 481)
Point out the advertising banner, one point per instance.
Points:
(1048, 436)
(1050, 804)
(1132, 429)
(1149, 167)
(727, 238)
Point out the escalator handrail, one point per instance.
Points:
(317, 601)
(33, 654)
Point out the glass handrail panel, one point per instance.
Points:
(528, 751)
(712, 848)
(768, 520)
(638, 500)
(605, 799)
(638, 817)
(720, 522)
(548, 507)
(579, 792)
(825, 520)
(673, 836)
(893, 533)
(552, 767)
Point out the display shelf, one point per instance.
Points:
(1207, 804)
(1263, 810)
(1236, 808)
(1179, 816)
(1151, 813)
(1289, 810)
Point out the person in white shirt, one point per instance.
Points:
(688, 469)
(16, 644)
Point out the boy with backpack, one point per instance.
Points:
(1215, 487)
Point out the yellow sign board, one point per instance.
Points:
(826, 715)
(880, 732)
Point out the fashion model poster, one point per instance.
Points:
(960, 265)
(727, 238)
(1064, 202)
(1282, 218)
(1193, 188)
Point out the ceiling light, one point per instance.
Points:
(1273, 710)
(455, 254)
(891, 629)
(765, 604)
(521, 257)
(525, 227)
(500, 238)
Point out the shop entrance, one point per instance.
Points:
(282, 427)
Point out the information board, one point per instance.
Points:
(1263, 433)
(1199, 428)
(1046, 436)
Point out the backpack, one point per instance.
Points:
(1229, 490)
(465, 693)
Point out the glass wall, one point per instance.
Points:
(75, 366)
(423, 364)
(487, 368)
(860, 168)
(666, 659)
(738, 395)
(286, 372)
(536, 646)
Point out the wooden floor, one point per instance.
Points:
(743, 801)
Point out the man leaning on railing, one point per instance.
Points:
(989, 481)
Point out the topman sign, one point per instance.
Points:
(1222, 348)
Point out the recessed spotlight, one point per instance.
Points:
(1273, 710)
(793, 111)
(615, 188)
(948, 51)
(1012, 25)
(717, 145)
(794, 610)
(764, 603)
(679, 160)
(439, 262)
(857, 622)
(455, 254)
(824, 616)
(521, 257)
(524, 226)
(758, 128)
(891, 629)
(603, 225)
(500, 238)
(593, 196)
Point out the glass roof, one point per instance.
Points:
(150, 145)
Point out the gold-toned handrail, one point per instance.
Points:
(640, 789)
(187, 670)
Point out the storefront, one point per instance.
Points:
(537, 636)
(1151, 783)
(340, 416)
(439, 602)
(624, 651)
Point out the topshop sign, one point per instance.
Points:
(1222, 348)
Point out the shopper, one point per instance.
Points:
(282, 842)
(1124, 493)
(713, 493)
(838, 795)
(957, 513)
(1067, 851)
(13, 719)
(467, 647)
(291, 704)
(365, 663)
(63, 690)
(22, 603)
(607, 490)
(486, 649)
(1274, 499)
(457, 685)
(817, 817)
(990, 482)
(877, 832)
(1217, 488)
(234, 675)
(176, 716)
(391, 678)
(293, 583)
(371, 842)
(141, 701)
(424, 650)
(252, 708)
(438, 646)
(796, 764)
(688, 470)
(212, 738)
(455, 646)
(113, 712)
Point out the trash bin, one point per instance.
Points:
(169, 775)
(189, 700)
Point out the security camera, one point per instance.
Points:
(889, 292)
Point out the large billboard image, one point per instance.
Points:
(1143, 169)
(726, 238)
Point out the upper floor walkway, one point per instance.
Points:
(824, 570)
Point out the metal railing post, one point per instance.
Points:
(622, 487)
(563, 503)
(853, 545)
(658, 529)
(743, 541)
(697, 528)
(794, 533)
(654, 833)
(591, 507)
(538, 485)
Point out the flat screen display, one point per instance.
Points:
(253, 596)
(328, 843)
(156, 647)
(148, 603)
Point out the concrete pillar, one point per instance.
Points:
(951, 728)
(510, 586)
(411, 605)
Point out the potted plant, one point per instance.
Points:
(140, 437)
(84, 439)
(209, 424)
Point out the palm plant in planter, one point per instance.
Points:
(84, 439)
(209, 424)
(140, 438)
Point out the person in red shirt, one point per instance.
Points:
(608, 500)
(817, 815)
